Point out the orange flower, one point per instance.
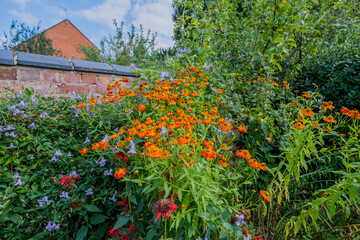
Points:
(93, 101)
(265, 195)
(104, 145)
(292, 105)
(140, 107)
(243, 154)
(329, 119)
(341, 134)
(84, 151)
(307, 112)
(298, 126)
(155, 152)
(80, 105)
(120, 172)
(208, 153)
(95, 146)
(306, 95)
(242, 128)
(225, 126)
(222, 163)
(219, 91)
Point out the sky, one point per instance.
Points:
(94, 18)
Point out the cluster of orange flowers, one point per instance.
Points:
(307, 112)
(327, 105)
(265, 195)
(351, 113)
(329, 119)
(255, 164)
(177, 108)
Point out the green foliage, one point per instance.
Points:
(25, 39)
(335, 73)
(134, 48)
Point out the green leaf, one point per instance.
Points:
(18, 210)
(121, 221)
(98, 218)
(92, 208)
(81, 234)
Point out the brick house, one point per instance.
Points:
(67, 38)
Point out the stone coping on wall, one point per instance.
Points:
(13, 58)
(59, 76)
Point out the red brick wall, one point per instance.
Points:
(57, 81)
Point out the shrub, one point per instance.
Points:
(335, 73)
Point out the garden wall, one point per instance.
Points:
(58, 75)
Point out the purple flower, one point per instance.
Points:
(69, 154)
(11, 146)
(34, 101)
(64, 195)
(73, 93)
(74, 174)
(16, 175)
(2, 128)
(133, 68)
(22, 104)
(89, 192)
(247, 238)
(179, 55)
(12, 108)
(113, 197)
(43, 201)
(164, 74)
(51, 227)
(4, 198)
(56, 99)
(57, 153)
(171, 79)
(17, 111)
(116, 129)
(114, 149)
(163, 130)
(102, 162)
(87, 140)
(10, 127)
(12, 134)
(108, 172)
(18, 183)
(207, 66)
(78, 98)
(240, 219)
(53, 159)
(106, 139)
(132, 148)
(25, 116)
(44, 115)
(31, 157)
(32, 126)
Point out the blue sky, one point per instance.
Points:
(94, 18)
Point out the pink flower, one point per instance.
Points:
(164, 208)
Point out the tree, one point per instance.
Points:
(25, 39)
(136, 48)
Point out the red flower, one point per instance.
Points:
(112, 232)
(132, 227)
(125, 237)
(68, 180)
(74, 205)
(124, 203)
(164, 207)
(121, 155)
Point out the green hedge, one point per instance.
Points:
(336, 73)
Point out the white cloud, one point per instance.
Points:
(21, 3)
(107, 11)
(157, 16)
(25, 17)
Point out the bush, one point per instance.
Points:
(335, 73)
